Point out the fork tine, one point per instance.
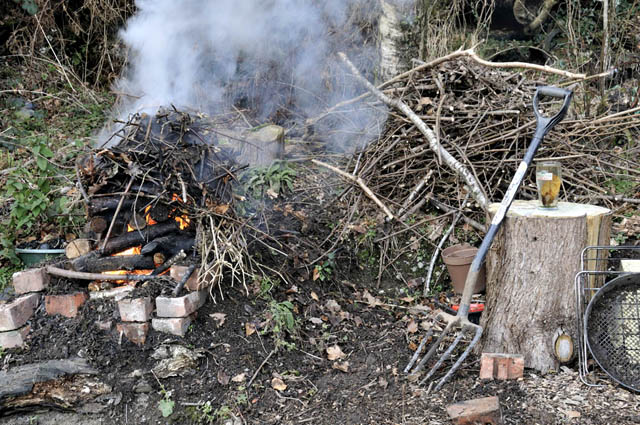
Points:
(433, 348)
(418, 351)
(444, 357)
(464, 355)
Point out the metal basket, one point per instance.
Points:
(612, 329)
(597, 269)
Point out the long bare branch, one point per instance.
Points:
(476, 190)
(360, 183)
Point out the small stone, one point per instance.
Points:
(104, 325)
(142, 387)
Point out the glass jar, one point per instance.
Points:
(548, 181)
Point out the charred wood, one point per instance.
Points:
(118, 262)
(159, 213)
(101, 205)
(139, 237)
(170, 245)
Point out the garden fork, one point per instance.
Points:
(461, 319)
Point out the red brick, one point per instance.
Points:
(178, 272)
(175, 326)
(516, 368)
(501, 366)
(14, 338)
(135, 309)
(478, 411)
(16, 313)
(32, 280)
(180, 306)
(135, 332)
(65, 305)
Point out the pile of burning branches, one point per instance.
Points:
(159, 193)
(479, 121)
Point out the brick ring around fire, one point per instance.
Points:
(173, 315)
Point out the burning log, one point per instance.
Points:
(137, 222)
(117, 262)
(158, 213)
(170, 245)
(138, 237)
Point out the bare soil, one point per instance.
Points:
(366, 386)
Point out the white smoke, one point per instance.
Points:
(270, 54)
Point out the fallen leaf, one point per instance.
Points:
(407, 299)
(315, 320)
(249, 328)
(413, 346)
(221, 209)
(239, 378)
(272, 194)
(342, 366)
(292, 290)
(358, 321)
(382, 382)
(219, 318)
(412, 327)
(223, 378)
(278, 384)
(335, 353)
(315, 296)
(415, 282)
(370, 299)
(316, 273)
(333, 306)
(573, 414)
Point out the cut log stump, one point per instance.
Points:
(530, 278)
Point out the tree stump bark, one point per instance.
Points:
(530, 278)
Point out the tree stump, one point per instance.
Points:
(531, 268)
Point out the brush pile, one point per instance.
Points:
(483, 117)
(163, 188)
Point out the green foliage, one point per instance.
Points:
(166, 405)
(325, 270)
(6, 274)
(266, 285)
(621, 186)
(275, 179)
(29, 6)
(280, 322)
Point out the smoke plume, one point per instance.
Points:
(276, 58)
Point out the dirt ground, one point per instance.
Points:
(295, 384)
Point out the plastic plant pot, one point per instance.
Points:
(34, 256)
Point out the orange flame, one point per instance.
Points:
(183, 221)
